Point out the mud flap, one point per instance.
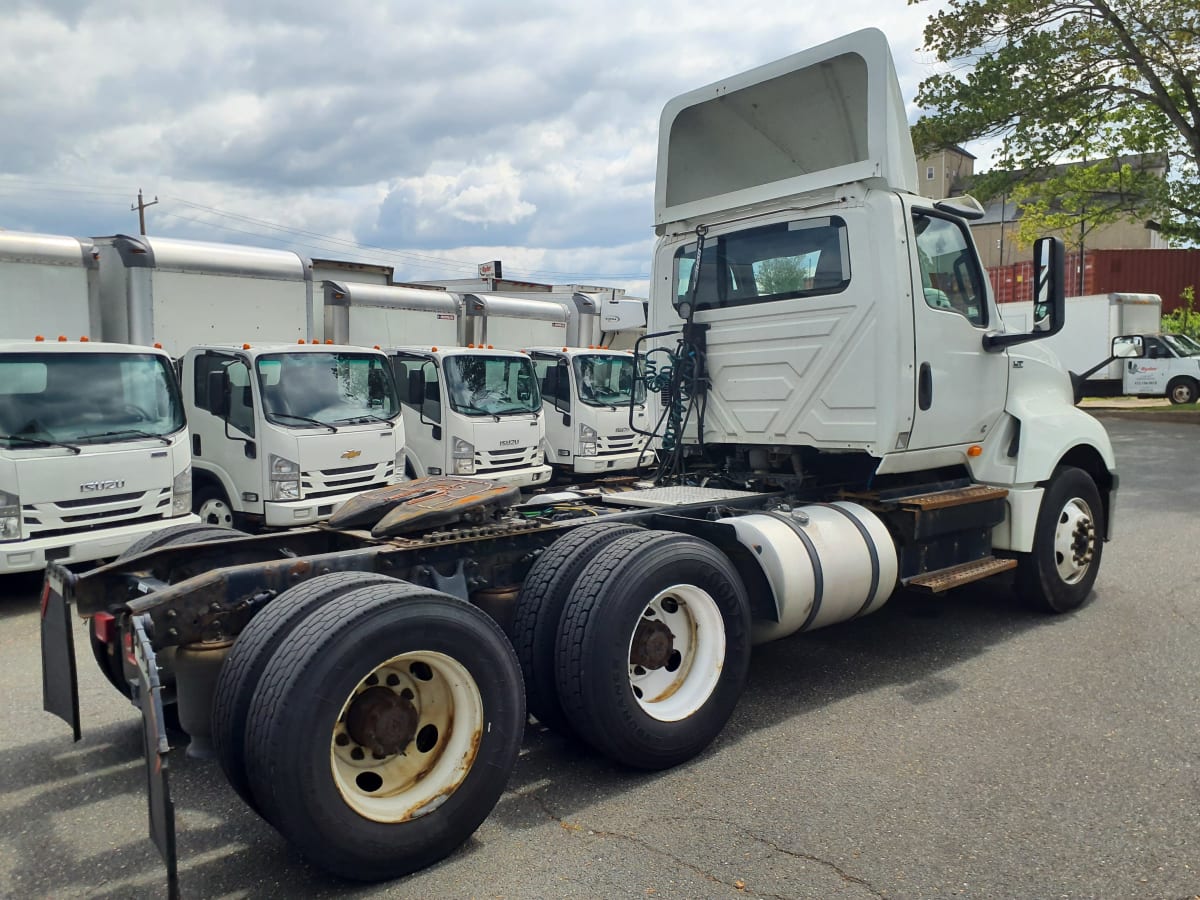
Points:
(154, 735)
(60, 681)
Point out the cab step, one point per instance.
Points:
(963, 496)
(955, 576)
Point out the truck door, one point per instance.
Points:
(1150, 374)
(961, 388)
(225, 444)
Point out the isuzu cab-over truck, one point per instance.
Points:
(283, 430)
(844, 415)
(468, 409)
(93, 442)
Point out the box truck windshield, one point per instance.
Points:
(492, 386)
(86, 398)
(607, 380)
(301, 390)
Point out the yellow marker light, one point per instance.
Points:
(974, 450)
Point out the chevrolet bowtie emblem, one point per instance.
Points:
(352, 454)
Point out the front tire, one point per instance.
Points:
(654, 649)
(383, 730)
(1059, 573)
(213, 507)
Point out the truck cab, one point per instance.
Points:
(1154, 365)
(93, 450)
(284, 434)
(838, 324)
(596, 418)
(472, 411)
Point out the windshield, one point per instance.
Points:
(1181, 344)
(607, 380)
(82, 398)
(303, 390)
(491, 385)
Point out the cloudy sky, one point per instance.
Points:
(427, 136)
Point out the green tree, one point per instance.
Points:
(782, 275)
(1184, 319)
(1066, 80)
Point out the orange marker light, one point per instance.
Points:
(328, 341)
(83, 338)
(301, 341)
(157, 345)
(38, 337)
(435, 349)
(974, 450)
(377, 347)
(62, 338)
(245, 346)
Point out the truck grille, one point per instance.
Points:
(345, 480)
(615, 445)
(507, 459)
(54, 518)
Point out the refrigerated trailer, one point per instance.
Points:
(93, 442)
(832, 437)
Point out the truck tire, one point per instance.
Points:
(654, 648)
(1182, 390)
(1067, 543)
(213, 507)
(384, 729)
(538, 612)
(253, 649)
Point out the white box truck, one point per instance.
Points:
(93, 440)
(283, 431)
(839, 435)
(468, 409)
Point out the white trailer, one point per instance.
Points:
(93, 441)
(242, 319)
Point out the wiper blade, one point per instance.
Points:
(366, 417)
(39, 442)
(310, 420)
(126, 431)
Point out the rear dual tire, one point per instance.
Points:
(383, 729)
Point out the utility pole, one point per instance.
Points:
(140, 206)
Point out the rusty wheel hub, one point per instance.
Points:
(382, 721)
(652, 645)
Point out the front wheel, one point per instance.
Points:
(383, 730)
(214, 508)
(1067, 543)
(1182, 390)
(653, 648)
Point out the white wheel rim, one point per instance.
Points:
(1182, 393)
(1074, 541)
(424, 773)
(675, 689)
(216, 512)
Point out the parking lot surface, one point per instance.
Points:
(958, 746)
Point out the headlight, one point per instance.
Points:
(587, 440)
(181, 492)
(464, 457)
(10, 517)
(285, 478)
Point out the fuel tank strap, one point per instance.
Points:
(814, 557)
(866, 536)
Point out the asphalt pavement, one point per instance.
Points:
(962, 746)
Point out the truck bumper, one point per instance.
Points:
(33, 554)
(623, 462)
(293, 513)
(520, 477)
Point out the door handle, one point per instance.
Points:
(925, 387)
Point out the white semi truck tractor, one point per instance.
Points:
(93, 440)
(844, 415)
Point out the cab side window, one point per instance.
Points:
(950, 276)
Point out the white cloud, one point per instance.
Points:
(453, 133)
